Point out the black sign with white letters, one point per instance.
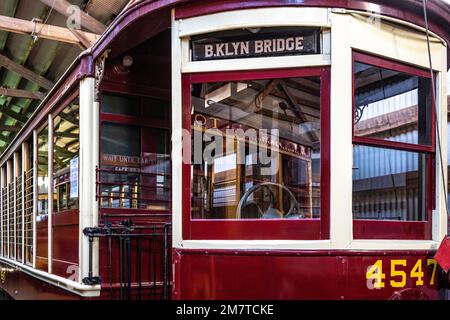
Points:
(257, 45)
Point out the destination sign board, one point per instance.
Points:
(257, 45)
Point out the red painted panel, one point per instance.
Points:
(390, 64)
(284, 229)
(443, 254)
(383, 229)
(42, 244)
(297, 275)
(65, 243)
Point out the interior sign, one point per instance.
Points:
(263, 46)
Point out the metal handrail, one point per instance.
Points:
(128, 235)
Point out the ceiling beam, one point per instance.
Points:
(5, 139)
(86, 21)
(45, 31)
(14, 115)
(24, 72)
(16, 93)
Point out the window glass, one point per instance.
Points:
(18, 204)
(156, 109)
(66, 147)
(391, 105)
(43, 184)
(389, 184)
(43, 180)
(28, 203)
(256, 149)
(135, 170)
(123, 105)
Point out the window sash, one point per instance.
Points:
(276, 229)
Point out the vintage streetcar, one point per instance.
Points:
(272, 149)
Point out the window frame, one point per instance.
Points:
(391, 229)
(68, 216)
(254, 229)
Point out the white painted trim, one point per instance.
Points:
(50, 193)
(398, 43)
(257, 63)
(256, 244)
(57, 281)
(261, 17)
(88, 159)
(375, 16)
(177, 165)
(341, 149)
(393, 245)
(308, 245)
(35, 191)
(440, 218)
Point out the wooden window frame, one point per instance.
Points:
(391, 229)
(270, 229)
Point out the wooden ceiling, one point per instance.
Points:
(37, 46)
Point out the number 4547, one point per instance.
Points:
(376, 278)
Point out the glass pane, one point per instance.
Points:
(135, 167)
(123, 105)
(43, 183)
(391, 105)
(156, 109)
(28, 204)
(256, 149)
(43, 180)
(66, 158)
(389, 184)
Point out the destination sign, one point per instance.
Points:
(257, 45)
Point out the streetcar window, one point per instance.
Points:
(135, 165)
(256, 149)
(43, 179)
(393, 142)
(389, 184)
(122, 105)
(28, 201)
(392, 105)
(66, 145)
(43, 184)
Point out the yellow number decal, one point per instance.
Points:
(375, 273)
(433, 273)
(398, 273)
(417, 272)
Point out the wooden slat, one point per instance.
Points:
(86, 21)
(24, 72)
(45, 31)
(12, 114)
(17, 93)
(5, 139)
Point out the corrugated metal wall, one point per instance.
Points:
(385, 181)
